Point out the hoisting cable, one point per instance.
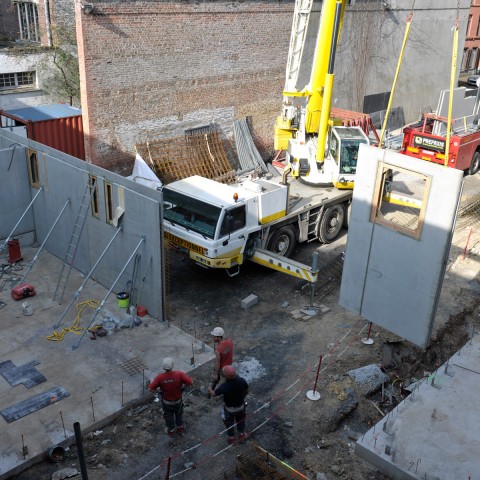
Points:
(452, 82)
(402, 51)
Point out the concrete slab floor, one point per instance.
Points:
(434, 434)
(101, 376)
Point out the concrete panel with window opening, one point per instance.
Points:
(401, 223)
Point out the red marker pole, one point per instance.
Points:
(313, 394)
(367, 340)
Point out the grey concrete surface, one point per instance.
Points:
(434, 432)
(102, 376)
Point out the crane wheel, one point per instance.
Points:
(331, 223)
(475, 165)
(283, 241)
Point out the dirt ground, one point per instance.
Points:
(281, 353)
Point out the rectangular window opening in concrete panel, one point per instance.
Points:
(109, 202)
(400, 199)
(33, 168)
(94, 196)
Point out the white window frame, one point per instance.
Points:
(18, 80)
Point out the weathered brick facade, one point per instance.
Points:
(152, 69)
(8, 21)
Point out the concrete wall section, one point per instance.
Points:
(66, 177)
(392, 278)
(433, 433)
(14, 192)
(371, 43)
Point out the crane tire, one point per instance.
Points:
(475, 165)
(331, 223)
(283, 241)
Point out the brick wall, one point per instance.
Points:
(152, 69)
(8, 21)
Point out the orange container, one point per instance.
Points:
(141, 311)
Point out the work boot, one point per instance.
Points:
(242, 436)
(171, 433)
(181, 428)
(230, 440)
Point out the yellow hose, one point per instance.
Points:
(75, 327)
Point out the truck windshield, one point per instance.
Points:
(349, 155)
(190, 213)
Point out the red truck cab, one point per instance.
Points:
(419, 141)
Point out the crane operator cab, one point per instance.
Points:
(339, 163)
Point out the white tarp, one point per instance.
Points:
(144, 175)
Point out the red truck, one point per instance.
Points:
(419, 141)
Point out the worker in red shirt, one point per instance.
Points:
(223, 354)
(170, 386)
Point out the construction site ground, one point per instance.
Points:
(277, 348)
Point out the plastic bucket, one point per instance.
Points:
(123, 299)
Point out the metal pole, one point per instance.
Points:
(45, 241)
(85, 280)
(2, 247)
(81, 454)
(318, 372)
(97, 311)
(167, 475)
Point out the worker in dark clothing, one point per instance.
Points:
(171, 385)
(223, 354)
(234, 391)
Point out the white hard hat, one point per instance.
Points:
(218, 332)
(167, 363)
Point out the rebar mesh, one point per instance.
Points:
(176, 158)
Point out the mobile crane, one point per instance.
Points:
(263, 219)
(318, 150)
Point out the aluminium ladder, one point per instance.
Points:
(73, 243)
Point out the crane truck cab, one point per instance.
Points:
(214, 222)
(258, 219)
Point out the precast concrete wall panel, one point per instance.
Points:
(392, 276)
(66, 177)
(14, 191)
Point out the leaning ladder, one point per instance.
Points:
(73, 243)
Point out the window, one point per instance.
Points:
(469, 23)
(465, 59)
(233, 220)
(478, 28)
(28, 21)
(94, 196)
(17, 80)
(400, 199)
(109, 204)
(33, 168)
(472, 64)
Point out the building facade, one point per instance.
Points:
(31, 32)
(471, 50)
(152, 69)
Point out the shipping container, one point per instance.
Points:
(59, 126)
